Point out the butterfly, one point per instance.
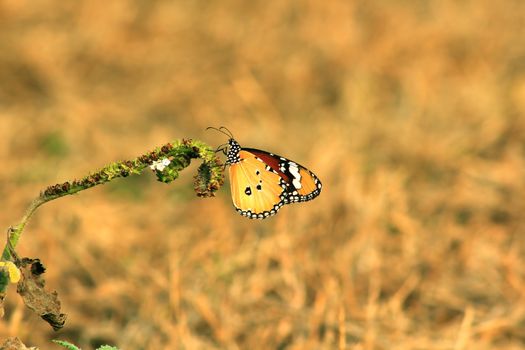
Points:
(262, 182)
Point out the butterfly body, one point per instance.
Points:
(262, 182)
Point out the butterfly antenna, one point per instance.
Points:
(228, 133)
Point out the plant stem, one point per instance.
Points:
(15, 232)
(209, 179)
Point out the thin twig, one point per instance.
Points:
(209, 179)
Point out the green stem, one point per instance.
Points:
(209, 178)
(15, 232)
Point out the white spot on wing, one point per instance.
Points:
(294, 170)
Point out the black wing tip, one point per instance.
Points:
(292, 195)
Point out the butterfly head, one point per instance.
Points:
(233, 148)
(233, 152)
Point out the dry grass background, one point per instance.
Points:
(411, 112)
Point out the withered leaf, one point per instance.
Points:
(15, 344)
(31, 289)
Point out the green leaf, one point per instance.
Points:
(107, 347)
(66, 344)
(4, 279)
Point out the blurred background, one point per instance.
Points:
(411, 112)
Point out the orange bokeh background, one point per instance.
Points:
(410, 112)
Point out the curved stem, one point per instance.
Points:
(16, 232)
(209, 178)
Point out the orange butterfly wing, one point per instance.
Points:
(310, 185)
(257, 190)
(301, 184)
(261, 182)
